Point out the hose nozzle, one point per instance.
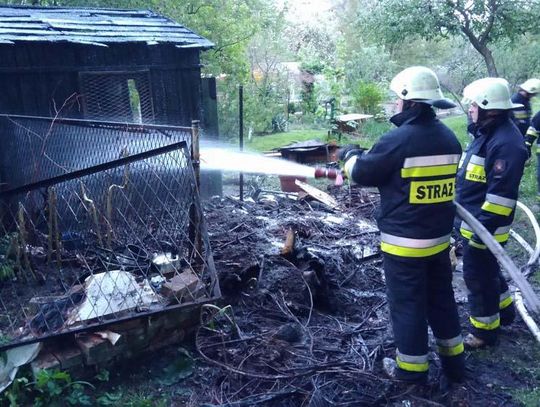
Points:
(329, 173)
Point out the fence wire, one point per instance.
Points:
(37, 148)
(106, 243)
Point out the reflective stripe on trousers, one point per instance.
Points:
(450, 347)
(505, 299)
(501, 233)
(486, 323)
(407, 247)
(412, 363)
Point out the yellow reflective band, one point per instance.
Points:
(521, 115)
(501, 238)
(450, 351)
(477, 245)
(412, 367)
(429, 171)
(531, 131)
(429, 192)
(506, 302)
(413, 251)
(475, 173)
(497, 209)
(488, 326)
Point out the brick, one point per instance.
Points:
(69, 357)
(167, 339)
(96, 350)
(181, 287)
(45, 361)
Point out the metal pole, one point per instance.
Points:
(195, 151)
(195, 227)
(241, 132)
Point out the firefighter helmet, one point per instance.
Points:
(420, 84)
(531, 86)
(489, 94)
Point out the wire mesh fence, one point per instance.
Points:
(110, 242)
(121, 96)
(37, 148)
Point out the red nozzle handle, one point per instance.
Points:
(329, 173)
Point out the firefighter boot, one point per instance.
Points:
(472, 342)
(392, 371)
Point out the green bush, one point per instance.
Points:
(367, 96)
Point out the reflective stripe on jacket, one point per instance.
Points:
(414, 167)
(522, 115)
(489, 176)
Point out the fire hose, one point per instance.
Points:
(524, 288)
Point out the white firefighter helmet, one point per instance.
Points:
(420, 84)
(489, 94)
(531, 86)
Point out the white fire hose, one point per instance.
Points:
(524, 288)
(521, 282)
(534, 255)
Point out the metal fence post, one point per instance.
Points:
(241, 133)
(194, 211)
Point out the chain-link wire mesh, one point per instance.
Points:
(117, 96)
(103, 244)
(36, 148)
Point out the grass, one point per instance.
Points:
(267, 143)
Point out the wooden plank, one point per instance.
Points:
(317, 194)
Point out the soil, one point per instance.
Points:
(310, 327)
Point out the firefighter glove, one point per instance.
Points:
(350, 150)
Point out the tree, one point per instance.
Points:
(481, 22)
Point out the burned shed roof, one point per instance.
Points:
(93, 26)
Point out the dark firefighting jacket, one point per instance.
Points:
(522, 115)
(533, 131)
(414, 168)
(489, 175)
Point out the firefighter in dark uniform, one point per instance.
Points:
(487, 186)
(414, 167)
(530, 137)
(522, 115)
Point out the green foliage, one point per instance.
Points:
(528, 397)
(480, 22)
(109, 399)
(367, 97)
(103, 375)
(56, 388)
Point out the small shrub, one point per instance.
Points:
(367, 97)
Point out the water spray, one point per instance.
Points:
(226, 159)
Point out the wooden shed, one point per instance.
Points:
(104, 64)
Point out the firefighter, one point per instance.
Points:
(414, 167)
(527, 90)
(487, 186)
(530, 137)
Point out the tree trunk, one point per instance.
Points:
(488, 59)
(490, 63)
(483, 50)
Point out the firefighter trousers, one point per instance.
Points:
(490, 301)
(419, 293)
